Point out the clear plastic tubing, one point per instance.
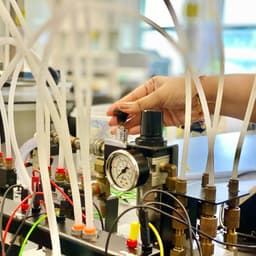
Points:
(27, 33)
(63, 94)
(247, 117)
(7, 46)
(62, 130)
(85, 156)
(43, 160)
(20, 163)
(3, 78)
(26, 148)
(216, 116)
(196, 81)
(60, 124)
(83, 121)
(48, 198)
(187, 125)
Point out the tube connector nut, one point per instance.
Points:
(89, 234)
(77, 230)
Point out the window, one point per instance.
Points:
(239, 34)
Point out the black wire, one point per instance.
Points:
(25, 217)
(2, 213)
(100, 215)
(171, 12)
(177, 219)
(225, 243)
(132, 208)
(245, 173)
(184, 219)
(182, 207)
(246, 235)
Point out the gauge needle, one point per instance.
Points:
(123, 171)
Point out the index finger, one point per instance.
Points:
(141, 91)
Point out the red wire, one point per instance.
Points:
(65, 195)
(7, 227)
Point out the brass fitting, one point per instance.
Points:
(205, 179)
(60, 174)
(230, 237)
(207, 247)
(99, 166)
(210, 193)
(181, 186)
(176, 224)
(170, 182)
(232, 217)
(101, 187)
(1, 158)
(97, 147)
(179, 237)
(233, 186)
(208, 209)
(208, 225)
(171, 169)
(75, 142)
(178, 252)
(9, 163)
(231, 221)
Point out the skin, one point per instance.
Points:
(168, 95)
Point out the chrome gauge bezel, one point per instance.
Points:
(134, 167)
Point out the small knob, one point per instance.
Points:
(121, 116)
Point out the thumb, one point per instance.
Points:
(148, 102)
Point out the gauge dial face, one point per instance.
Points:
(122, 170)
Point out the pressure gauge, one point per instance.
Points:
(125, 170)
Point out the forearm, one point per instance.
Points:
(237, 90)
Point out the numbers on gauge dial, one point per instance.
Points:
(122, 172)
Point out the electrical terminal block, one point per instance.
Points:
(1, 159)
(9, 163)
(60, 174)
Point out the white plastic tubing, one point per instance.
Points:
(211, 129)
(61, 126)
(19, 161)
(83, 96)
(41, 145)
(7, 46)
(189, 94)
(247, 117)
(60, 122)
(9, 69)
(216, 117)
(187, 80)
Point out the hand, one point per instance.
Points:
(163, 93)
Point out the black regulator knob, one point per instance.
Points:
(151, 131)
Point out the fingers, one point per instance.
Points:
(132, 122)
(150, 101)
(132, 131)
(140, 92)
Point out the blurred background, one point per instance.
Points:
(127, 52)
